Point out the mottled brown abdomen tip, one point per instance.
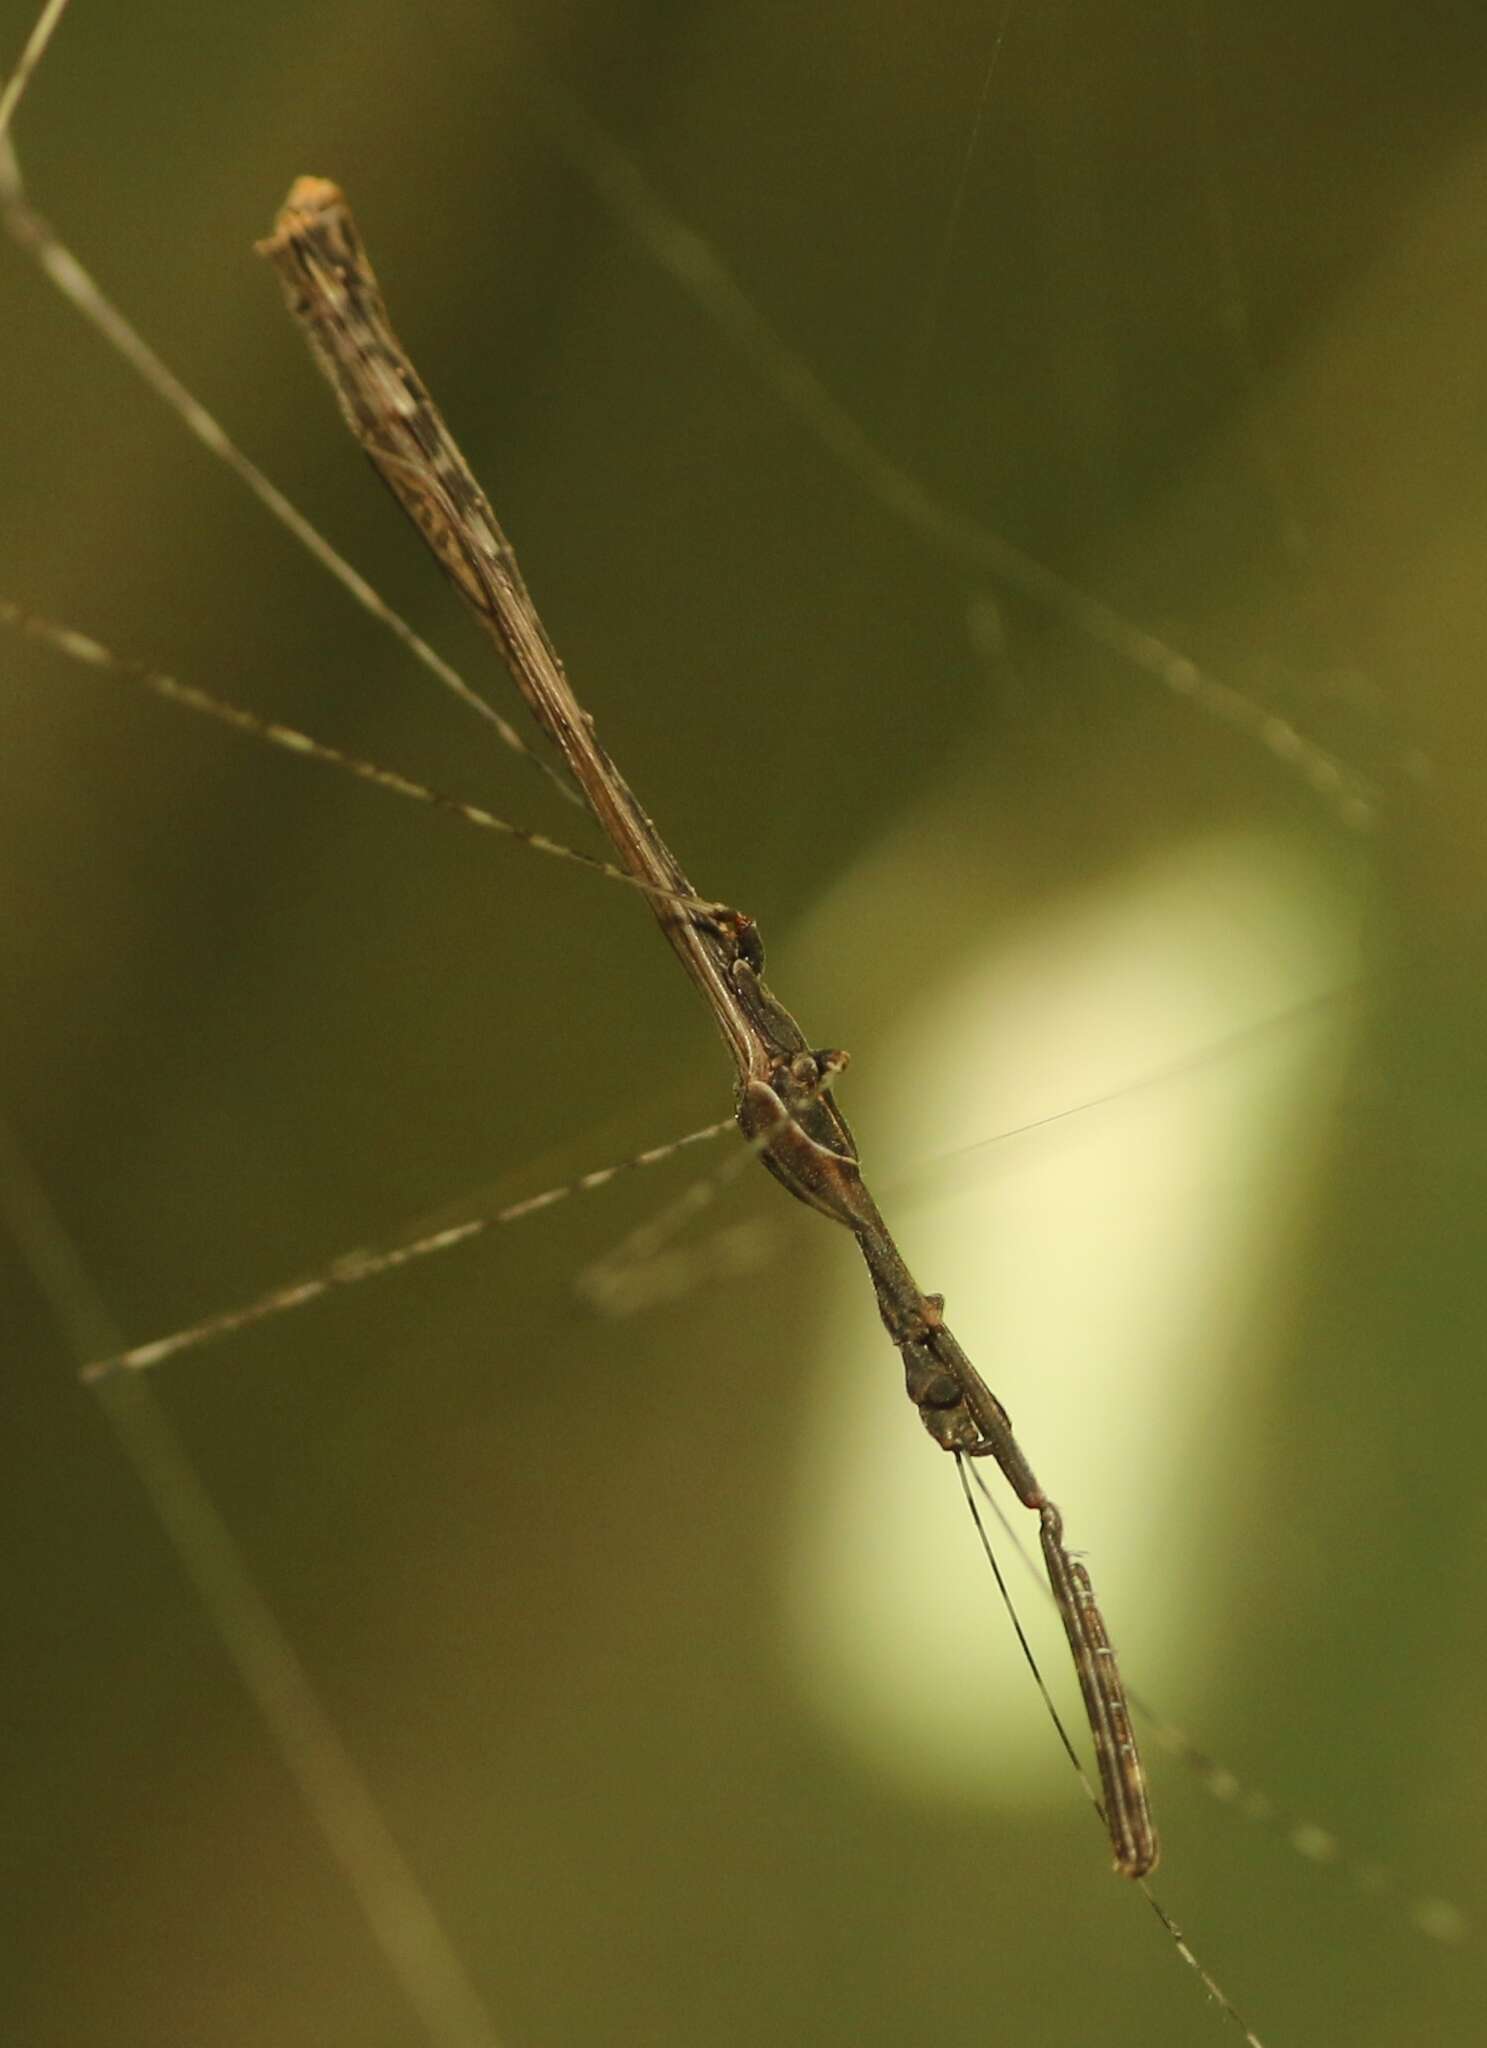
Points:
(308, 199)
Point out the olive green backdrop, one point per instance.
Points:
(1197, 320)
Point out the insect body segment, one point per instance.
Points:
(784, 1097)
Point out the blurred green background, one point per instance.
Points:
(1197, 320)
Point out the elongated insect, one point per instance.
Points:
(261, 1023)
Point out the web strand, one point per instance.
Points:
(415, 1947)
(40, 242)
(83, 649)
(700, 271)
(1214, 1990)
(353, 1267)
(1437, 1919)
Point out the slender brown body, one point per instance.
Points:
(784, 1102)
